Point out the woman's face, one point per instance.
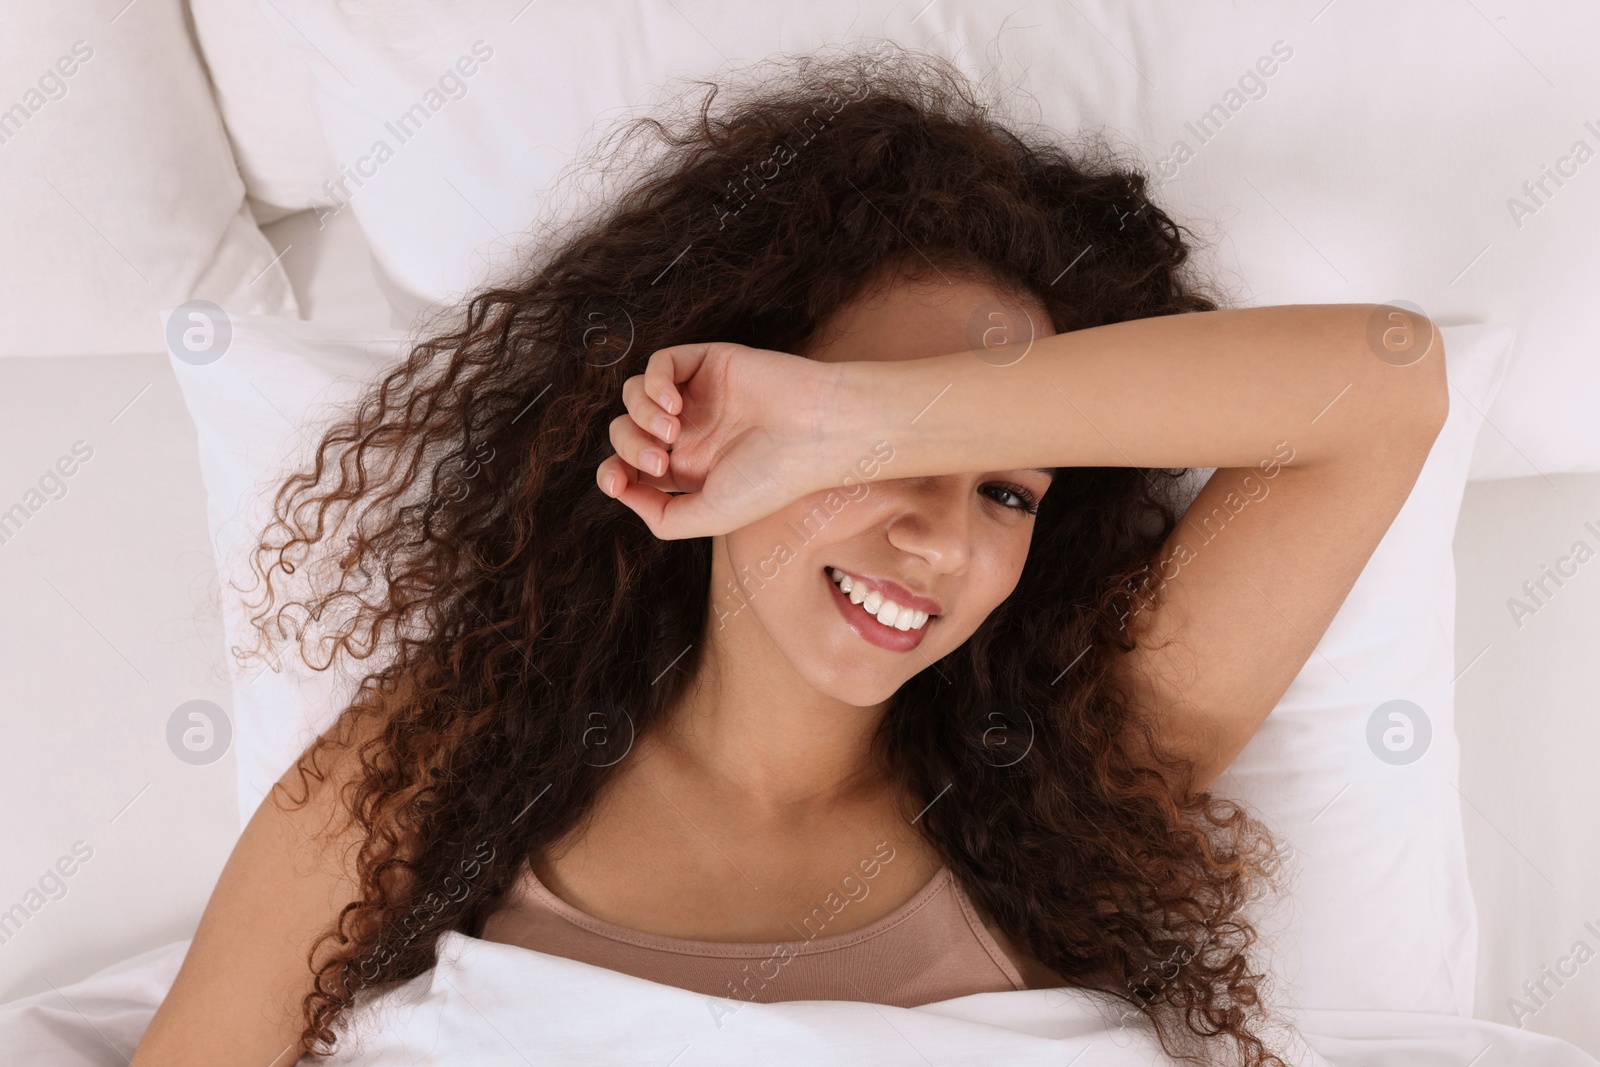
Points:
(955, 543)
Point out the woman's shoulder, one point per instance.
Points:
(237, 996)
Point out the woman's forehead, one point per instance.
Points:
(922, 316)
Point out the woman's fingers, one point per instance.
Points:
(646, 413)
(669, 366)
(615, 475)
(686, 474)
(644, 436)
(669, 517)
(652, 398)
(644, 452)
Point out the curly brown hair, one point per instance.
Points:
(528, 621)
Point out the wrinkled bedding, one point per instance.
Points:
(494, 1005)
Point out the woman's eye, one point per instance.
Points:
(1025, 501)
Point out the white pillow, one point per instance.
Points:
(263, 371)
(1355, 768)
(1330, 170)
(265, 93)
(1380, 845)
(120, 189)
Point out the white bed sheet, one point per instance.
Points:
(494, 1005)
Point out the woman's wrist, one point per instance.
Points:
(907, 409)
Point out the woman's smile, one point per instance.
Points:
(868, 624)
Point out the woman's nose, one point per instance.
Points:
(934, 521)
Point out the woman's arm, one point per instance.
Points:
(1317, 442)
(236, 998)
(1206, 389)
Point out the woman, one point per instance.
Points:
(883, 646)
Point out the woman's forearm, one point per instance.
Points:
(1204, 389)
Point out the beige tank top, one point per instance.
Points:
(931, 948)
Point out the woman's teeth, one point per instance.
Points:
(879, 606)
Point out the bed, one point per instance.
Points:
(1468, 871)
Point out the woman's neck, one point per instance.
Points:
(776, 745)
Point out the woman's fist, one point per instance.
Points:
(735, 432)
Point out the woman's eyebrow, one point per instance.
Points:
(1043, 470)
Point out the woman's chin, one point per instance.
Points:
(855, 681)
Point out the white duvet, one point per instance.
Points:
(493, 1005)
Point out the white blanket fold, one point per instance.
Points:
(505, 1006)
(488, 1004)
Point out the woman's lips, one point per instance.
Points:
(867, 625)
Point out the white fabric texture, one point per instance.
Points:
(494, 1005)
(1379, 850)
(1377, 847)
(122, 193)
(274, 369)
(264, 91)
(1329, 169)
